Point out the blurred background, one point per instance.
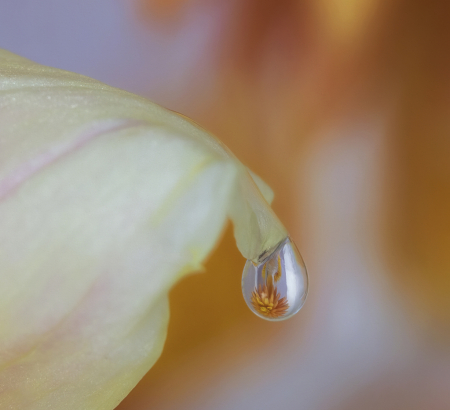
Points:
(342, 106)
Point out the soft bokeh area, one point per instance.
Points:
(343, 107)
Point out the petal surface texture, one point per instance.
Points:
(106, 199)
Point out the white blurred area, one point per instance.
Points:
(103, 39)
(355, 346)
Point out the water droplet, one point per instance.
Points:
(276, 287)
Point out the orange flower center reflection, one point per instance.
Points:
(266, 299)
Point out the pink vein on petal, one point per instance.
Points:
(22, 173)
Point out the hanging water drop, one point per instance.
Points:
(276, 286)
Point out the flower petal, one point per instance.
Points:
(106, 199)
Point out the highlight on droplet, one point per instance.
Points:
(276, 288)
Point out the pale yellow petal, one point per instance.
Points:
(106, 199)
(265, 189)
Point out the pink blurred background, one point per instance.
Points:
(343, 108)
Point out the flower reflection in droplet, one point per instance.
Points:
(276, 287)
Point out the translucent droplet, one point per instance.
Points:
(276, 287)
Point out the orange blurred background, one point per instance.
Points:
(343, 108)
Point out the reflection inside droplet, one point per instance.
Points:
(276, 288)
